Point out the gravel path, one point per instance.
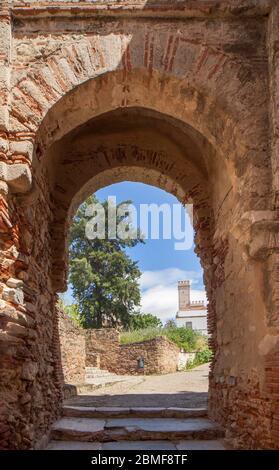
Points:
(181, 389)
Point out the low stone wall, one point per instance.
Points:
(72, 349)
(159, 355)
(103, 348)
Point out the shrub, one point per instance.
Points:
(202, 357)
(184, 338)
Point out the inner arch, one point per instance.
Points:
(131, 144)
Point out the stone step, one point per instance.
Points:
(93, 376)
(138, 445)
(98, 373)
(95, 384)
(106, 380)
(93, 370)
(97, 376)
(135, 412)
(101, 376)
(135, 429)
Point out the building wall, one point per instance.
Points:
(184, 358)
(198, 323)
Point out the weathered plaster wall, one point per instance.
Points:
(204, 77)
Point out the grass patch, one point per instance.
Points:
(184, 338)
(136, 336)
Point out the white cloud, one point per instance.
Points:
(159, 291)
(168, 277)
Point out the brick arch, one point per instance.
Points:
(162, 71)
(133, 174)
(202, 71)
(221, 94)
(217, 128)
(172, 96)
(201, 85)
(136, 144)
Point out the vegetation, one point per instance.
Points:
(136, 336)
(170, 324)
(106, 290)
(105, 280)
(184, 338)
(141, 321)
(201, 357)
(71, 310)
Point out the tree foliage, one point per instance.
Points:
(144, 320)
(104, 278)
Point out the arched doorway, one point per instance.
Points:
(160, 129)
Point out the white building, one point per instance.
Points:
(190, 314)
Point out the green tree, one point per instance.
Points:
(74, 314)
(104, 278)
(170, 324)
(72, 311)
(145, 320)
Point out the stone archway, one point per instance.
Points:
(186, 115)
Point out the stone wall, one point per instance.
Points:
(103, 350)
(159, 354)
(72, 349)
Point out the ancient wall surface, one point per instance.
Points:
(102, 349)
(180, 95)
(73, 351)
(160, 357)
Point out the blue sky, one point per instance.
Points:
(161, 265)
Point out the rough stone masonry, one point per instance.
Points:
(180, 94)
(101, 349)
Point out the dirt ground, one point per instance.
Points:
(180, 389)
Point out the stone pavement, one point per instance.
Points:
(180, 389)
(166, 412)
